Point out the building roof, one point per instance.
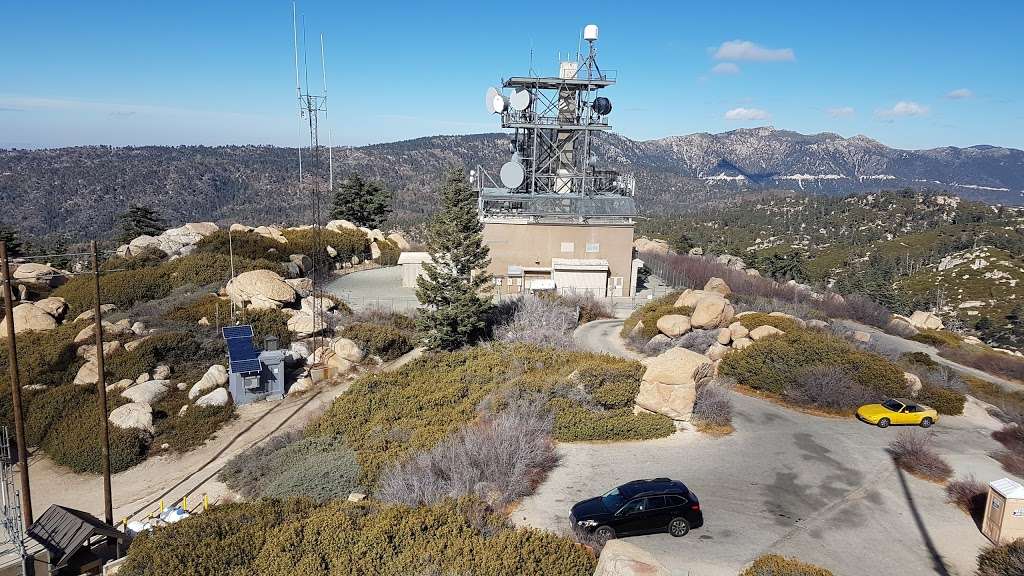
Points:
(414, 258)
(579, 264)
(1008, 488)
(63, 531)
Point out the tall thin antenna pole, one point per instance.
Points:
(12, 367)
(327, 118)
(101, 388)
(298, 90)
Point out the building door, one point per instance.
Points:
(615, 286)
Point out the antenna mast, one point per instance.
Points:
(310, 108)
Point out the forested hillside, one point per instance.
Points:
(906, 250)
(78, 192)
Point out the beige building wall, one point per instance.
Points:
(534, 245)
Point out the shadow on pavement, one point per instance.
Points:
(938, 564)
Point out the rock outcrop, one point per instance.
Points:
(260, 289)
(712, 311)
(215, 376)
(673, 325)
(41, 274)
(28, 317)
(622, 558)
(764, 332)
(668, 386)
(218, 397)
(149, 392)
(137, 415)
(925, 321)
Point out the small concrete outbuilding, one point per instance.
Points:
(412, 266)
(1004, 512)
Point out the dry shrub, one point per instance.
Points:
(775, 565)
(828, 386)
(912, 452)
(589, 307)
(712, 407)
(968, 494)
(697, 340)
(1005, 560)
(998, 363)
(540, 321)
(499, 460)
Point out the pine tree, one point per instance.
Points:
(14, 246)
(450, 288)
(139, 221)
(362, 203)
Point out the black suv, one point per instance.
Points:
(639, 507)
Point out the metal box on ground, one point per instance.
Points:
(1004, 512)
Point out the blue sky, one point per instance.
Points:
(915, 74)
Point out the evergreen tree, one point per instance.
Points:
(362, 203)
(140, 220)
(14, 246)
(450, 290)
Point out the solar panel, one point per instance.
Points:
(242, 331)
(243, 366)
(242, 355)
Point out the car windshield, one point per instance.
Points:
(892, 405)
(612, 500)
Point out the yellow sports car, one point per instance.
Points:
(898, 411)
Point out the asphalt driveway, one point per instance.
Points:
(821, 489)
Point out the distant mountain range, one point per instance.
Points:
(79, 191)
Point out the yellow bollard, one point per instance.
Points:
(161, 505)
(206, 502)
(184, 503)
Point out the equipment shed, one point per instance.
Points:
(76, 541)
(412, 266)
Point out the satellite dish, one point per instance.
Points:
(602, 106)
(590, 32)
(520, 100)
(512, 174)
(495, 102)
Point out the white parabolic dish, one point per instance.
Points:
(520, 100)
(590, 32)
(489, 99)
(512, 174)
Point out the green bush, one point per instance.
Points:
(127, 287)
(649, 314)
(574, 423)
(1004, 560)
(244, 245)
(389, 252)
(169, 348)
(611, 385)
(209, 306)
(268, 322)
(775, 565)
(46, 408)
(774, 364)
(347, 243)
(319, 468)
(937, 338)
(74, 442)
(384, 341)
(751, 321)
(944, 400)
(387, 416)
(190, 429)
(282, 538)
(224, 540)
(919, 358)
(44, 358)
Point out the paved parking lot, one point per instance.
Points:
(821, 489)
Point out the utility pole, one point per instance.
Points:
(108, 507)
(19, 423)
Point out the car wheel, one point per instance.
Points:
(678, 527)
(926, 422)
(883, 423)
(605, 533)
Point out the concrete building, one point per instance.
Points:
(412, 266)
(554, 220)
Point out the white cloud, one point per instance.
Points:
(903, 108)
(841, 112)
(747, 50)
(960, 94)
(725, 68)
(747, 114)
